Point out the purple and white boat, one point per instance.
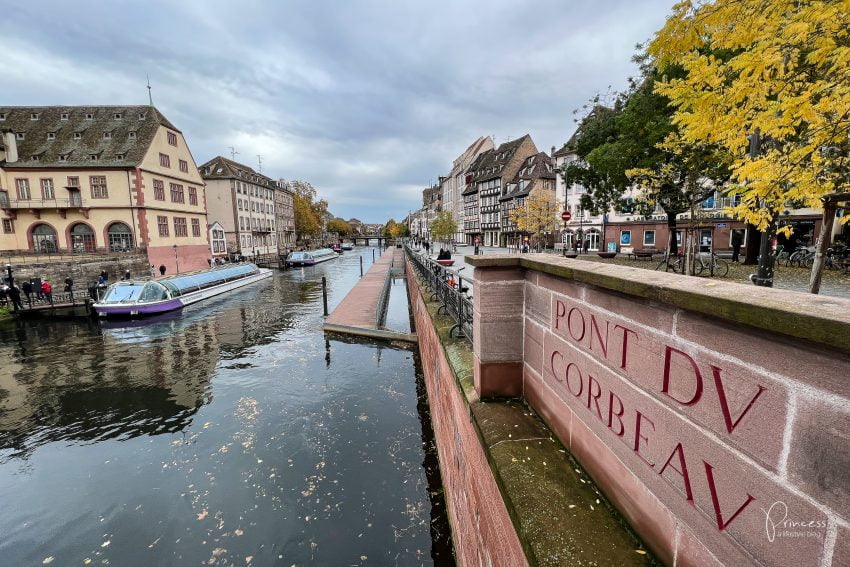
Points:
(312, 257)
(151, 297)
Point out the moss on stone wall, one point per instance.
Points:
(561, 517)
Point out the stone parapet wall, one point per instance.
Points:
(85, 271)
(482, 530)
(715, 416)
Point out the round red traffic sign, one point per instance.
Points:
(566, 216)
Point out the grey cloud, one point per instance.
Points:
(369, 100)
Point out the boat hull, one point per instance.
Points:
(164, 306)
(312, 261)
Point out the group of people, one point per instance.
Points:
(444, 255)
(41, 288)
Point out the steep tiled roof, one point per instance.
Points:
(220, 167)
(480, 164)
(68, 136)
(533, 168)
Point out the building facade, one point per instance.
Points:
(486, 182)
(242, 201)
(112, 179)
(284, 211)
(535, 177)
(453, 185)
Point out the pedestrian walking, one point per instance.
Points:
(69, 285)
(127, 275)
(737, 242)
(153, 271)
(15, 296)
(27, 288)
(162, 269)
(47, 291)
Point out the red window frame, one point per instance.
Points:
(193, 195)
(180, 228)
(196, 227)
(172, 139)
(184, 166)
(176, 193)
(164, 160)
(97, 186)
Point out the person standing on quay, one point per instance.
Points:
(15, 296)
(47, 290)
(27, 287)
(737, 241)
(162, 269)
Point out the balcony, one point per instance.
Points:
(37, 205)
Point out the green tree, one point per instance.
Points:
(536, 215)
(443, 227)
(339, 226)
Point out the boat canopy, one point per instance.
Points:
(179, 285)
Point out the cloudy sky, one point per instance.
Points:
(369, 100)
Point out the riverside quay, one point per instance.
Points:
(388, 409)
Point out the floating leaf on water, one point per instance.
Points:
(249, 559)
(238, 532)
(203, 514)
(106, 543)
(363, 558)
(48, 560)
(640, 552)
(86, 561)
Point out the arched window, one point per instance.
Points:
(120, 237)
(82, 238)
(44, 239)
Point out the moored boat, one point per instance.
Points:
(312, 257)
(347, 246)
(151, 297)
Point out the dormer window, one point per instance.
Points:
(119, 156)
(20, 135)
(51, 135)
(64, 116)
(36, 158)
(34, 116)
(141, 116)
(78, 135)
(93, 157)
(107, 135)
(2, 116)
(117, 116)
(89, 116)
(63, 157)
(131, 135)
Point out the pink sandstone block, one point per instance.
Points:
(533, 345)
(497, 341)
(690, 552)
(841, 552)
(538, 303)
(746, 408)
(498, 274)
(497, 379)
(705, 483)
(646, 514)
(819, 461)
(499, 299)
(793, 358)
(547, 405)
(560, 285)
(654, 315)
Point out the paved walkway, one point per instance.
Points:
(357, 314)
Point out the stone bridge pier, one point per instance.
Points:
(715, 416)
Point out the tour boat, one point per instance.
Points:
(312, 257)
(336, 248)
(151, 297)
(347, 246)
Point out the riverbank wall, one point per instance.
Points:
(84, 270)
(715, 416)
(513, 493)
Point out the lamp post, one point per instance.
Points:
(176, 262)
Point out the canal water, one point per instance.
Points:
(234, 433)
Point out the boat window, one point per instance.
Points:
(297, 256)
(153, 291)
(193, 282)
(175, 291)
(119, 292)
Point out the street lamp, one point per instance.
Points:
(176, 262)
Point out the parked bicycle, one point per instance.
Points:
(715, 265)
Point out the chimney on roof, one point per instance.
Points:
(553, 151)
(11, 147)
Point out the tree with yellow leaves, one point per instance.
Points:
(778, 69)
(536, 215)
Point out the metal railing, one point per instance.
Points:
(449, 289)
(16, 257)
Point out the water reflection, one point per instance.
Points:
(236, 433)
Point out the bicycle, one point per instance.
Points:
(676, 264)
(717, 266)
